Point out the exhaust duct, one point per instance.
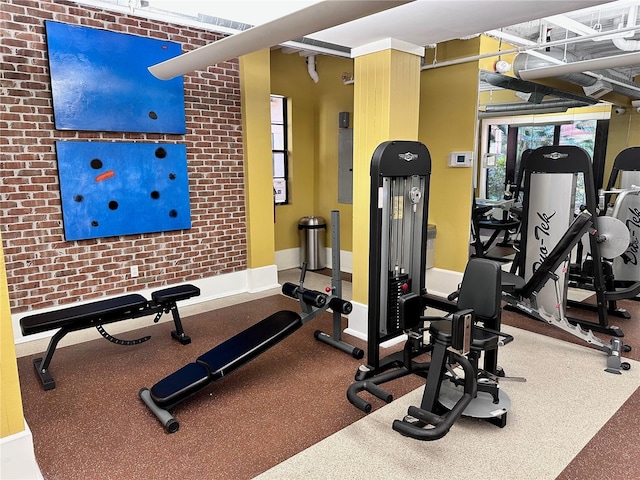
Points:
(592, 86)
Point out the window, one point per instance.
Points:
(279, 151)
(506, 156)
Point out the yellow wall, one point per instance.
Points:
(448, 105)
(333, 97)
(624, 132)
(256, 120)
(290, 79)
(11, 415)
(313, 142)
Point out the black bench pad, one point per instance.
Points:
(174, 294)
(90, 314)
(224, 358)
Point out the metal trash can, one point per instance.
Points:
(312, 239)
(431, 244)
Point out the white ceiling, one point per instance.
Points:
(419, 22)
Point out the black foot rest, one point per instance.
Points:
(88, 315)
(224, 358)
(175, 294)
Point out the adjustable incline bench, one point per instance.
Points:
(521, 295)
(240, 349)
(96, 314)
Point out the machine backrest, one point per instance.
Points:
(481, 289)
(627, 160)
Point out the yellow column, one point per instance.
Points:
(624, 132)
(11, 414)
(449, 103)
(256, 124)
(386, 107)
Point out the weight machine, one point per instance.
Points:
(550, 175)
(626, 208)
(619, 226)
(400, 172)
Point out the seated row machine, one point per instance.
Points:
(462, 337)
(400, 172)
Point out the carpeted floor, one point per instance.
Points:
(551, 419)
(93, 426)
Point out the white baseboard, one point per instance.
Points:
(263, 278)
(287, 259)
(17, 458)
(211, 288)
(358, 321)
(290, 258)
(442, 282)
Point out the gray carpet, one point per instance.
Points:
(566, 400)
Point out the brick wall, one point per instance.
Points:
(43, 269)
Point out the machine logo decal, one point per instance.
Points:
(630, 256)
(408, 156)
(555, 155)
(540, 231)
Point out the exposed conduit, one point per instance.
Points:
(623, 43)
(311, 67)
(528, 46)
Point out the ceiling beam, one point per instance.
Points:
(314, 18)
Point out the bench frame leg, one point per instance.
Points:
(178, 333)
(167, 420)
(42, 364)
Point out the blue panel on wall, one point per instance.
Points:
(100, 81)
(122, 188)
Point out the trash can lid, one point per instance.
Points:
(312, 221)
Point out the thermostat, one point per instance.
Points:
(460, 159)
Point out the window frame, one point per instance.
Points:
(283, 152)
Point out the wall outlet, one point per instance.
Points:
(134, 270)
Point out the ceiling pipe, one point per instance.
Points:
(512, 113)
(311, 68)
(527, 45)
(525, 62)
(623, 43)
(532, 107)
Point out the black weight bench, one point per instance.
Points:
(217, 363)
(96, 314)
